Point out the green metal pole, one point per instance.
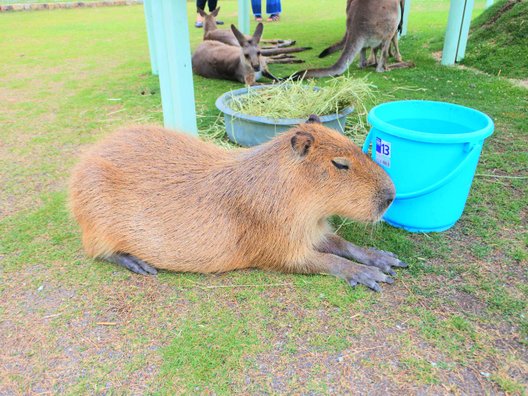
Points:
(147, 6)
(243, 16)
(464, 33)
(174, 63)
(453, 31)
(406, 10)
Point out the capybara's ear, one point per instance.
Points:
(301, 143)
(313, 119)
(201, 12)
(215, 11)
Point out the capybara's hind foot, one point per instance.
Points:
(132, 263)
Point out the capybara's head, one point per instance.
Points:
(344, 179)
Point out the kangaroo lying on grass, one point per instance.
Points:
(275, 51)
(370, 24)
(244, 63)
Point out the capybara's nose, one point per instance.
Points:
(256, 68)
(386, 197)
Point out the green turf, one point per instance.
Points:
(454, 321)
(499, 40)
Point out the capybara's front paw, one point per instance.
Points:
(365, 275)
(384, 260)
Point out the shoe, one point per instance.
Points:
(258, 19)
(274, 18)
(219, 22)
(199, 21)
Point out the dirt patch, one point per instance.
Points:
(52, 336)
(519, 83)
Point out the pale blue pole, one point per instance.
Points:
(243, 16)
(464, 32)
(174, 65)
(406, 10)
(147, 6)
(454, 26)
(489, 3)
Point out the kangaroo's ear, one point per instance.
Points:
(258, 33)
(215, 11)
(201, 12)
(239, 36)
(301, 143)
(313, 119)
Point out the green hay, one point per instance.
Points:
(296, 99)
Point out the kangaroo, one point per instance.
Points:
(372, 58)
(275, 47)
(370, 24)
(244, 63)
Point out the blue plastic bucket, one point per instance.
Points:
(430, 150)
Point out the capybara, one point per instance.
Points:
(146, 198)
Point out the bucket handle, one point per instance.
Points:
(471, 148)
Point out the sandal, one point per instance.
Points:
(258, 19)
(274, 18)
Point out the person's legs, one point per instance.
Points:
(273, 8)
(200, 5)
(212, 6)
(256, 6)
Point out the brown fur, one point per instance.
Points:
(394, 49)
(278, 47)
(244, 63)
(211, 31)
(182, 204)
(369, 24)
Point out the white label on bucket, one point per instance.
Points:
(383, 152)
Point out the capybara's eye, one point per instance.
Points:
(341, 163)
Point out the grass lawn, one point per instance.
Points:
(455, 321)
(499, 44)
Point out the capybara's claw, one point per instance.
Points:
(402, 264)
(352, 282)
(373, 286)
